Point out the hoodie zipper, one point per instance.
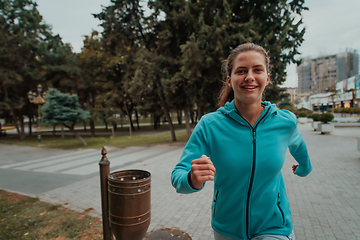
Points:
(215, 200)
(281, 211)
(252, 171)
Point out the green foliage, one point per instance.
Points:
(22, 34)
(316, 116)
(29, 55)
(302, 114)
(353, 110)
(62, 108)
(326, 117)
(284, 103)
(145, 138)
(337, 110)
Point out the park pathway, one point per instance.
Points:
(325, 204)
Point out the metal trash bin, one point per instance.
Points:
(129, 203)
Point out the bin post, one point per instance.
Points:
(104, 172)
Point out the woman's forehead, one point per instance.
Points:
(250, 57)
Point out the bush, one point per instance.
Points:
(337, 110)
(291, 109)
(355, 110)
(316, 117)
(326, 117)
(302, 114)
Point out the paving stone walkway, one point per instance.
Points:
(325, 204)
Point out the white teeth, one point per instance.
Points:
(249, 87)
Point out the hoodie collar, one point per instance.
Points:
(229, 110)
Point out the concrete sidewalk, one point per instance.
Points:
(325, 204)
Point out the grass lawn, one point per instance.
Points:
(23, 217)
(142, 137)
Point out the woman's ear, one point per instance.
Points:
(228, 80)
(268, 79)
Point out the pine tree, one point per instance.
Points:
(63, 108)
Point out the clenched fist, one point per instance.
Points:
(202, 170)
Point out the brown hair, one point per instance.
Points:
(227, 93)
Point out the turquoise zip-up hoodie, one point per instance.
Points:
(249, 191)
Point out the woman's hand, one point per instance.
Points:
(294, 167)
(202, 170)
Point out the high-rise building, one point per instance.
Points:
(318, 75)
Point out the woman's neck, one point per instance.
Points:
(251, 112)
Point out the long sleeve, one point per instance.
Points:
(299, 151)
(196, 146)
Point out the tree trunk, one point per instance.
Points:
(114, 127)
(78, 136)
(92, 127)
(191, 115)
(130, 121)
(22, 126)
(62, 131)
(121, 120)
(84, 121)
(21, 136)
(105, 122)
(166, 108)
(54, 126)
(171, 126)
(187, 123)
(30, 126)
(179, 117)
(155, 121)
(137, 119)
(200, 112)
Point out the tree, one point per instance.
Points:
(21, 35)
(219, 26)
(275, 26)
(30, 55)
(94, 63)
(122, 37)
(63, 108)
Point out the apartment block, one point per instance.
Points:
(319, 75)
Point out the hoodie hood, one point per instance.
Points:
(229, 110)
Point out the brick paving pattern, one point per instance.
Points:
(325, 204)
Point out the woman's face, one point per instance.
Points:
(248, 78)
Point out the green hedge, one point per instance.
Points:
(302, 114)
(316, 116)
(326, 117)
(354, 110)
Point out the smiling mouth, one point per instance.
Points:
(249, 87)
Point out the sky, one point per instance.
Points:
(332, 26)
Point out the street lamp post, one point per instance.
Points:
(37, 99)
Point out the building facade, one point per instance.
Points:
(292, 94)
(347, 95)
(320, 75)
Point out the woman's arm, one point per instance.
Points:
(299, 151)
(193, 166)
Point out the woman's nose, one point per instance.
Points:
(250, 76)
